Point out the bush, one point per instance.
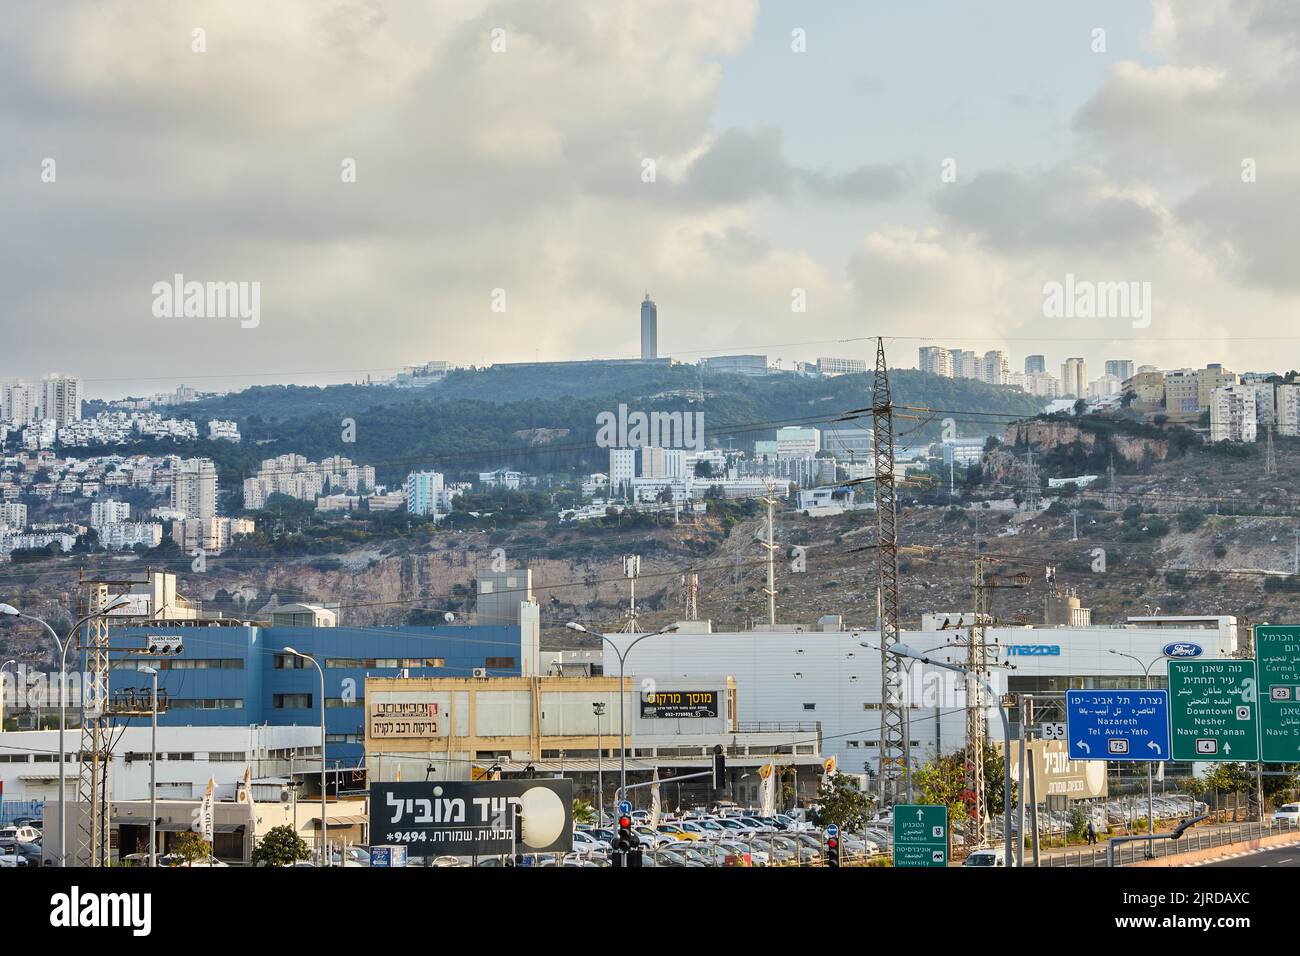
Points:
(281, 847)
(1190, 520)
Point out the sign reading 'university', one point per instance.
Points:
(675, 704)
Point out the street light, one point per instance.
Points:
(598, 707)
(902, 650)
(1146, 671)
(2, 691)
(153, 768)
(622, 659)
(9, 610)
(324, 844)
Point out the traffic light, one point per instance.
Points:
(626, 838)
(833, 851)
(719, 768)
(519, 837)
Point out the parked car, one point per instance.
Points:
(1288, 814)
(175, 859)
(18, 834)
(676, 831)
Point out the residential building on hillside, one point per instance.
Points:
(194, 487)
(1232, 414)
(936, 361)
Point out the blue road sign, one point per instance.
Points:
(625, 807)
(832, 831)
(1118, 724)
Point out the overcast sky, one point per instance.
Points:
(523, 169)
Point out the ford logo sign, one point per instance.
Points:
(1182, 649)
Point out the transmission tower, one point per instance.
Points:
(1031, 483)
(976, 665)
(770, 546)
(1270, 456)
(691, 594)
(92, 779)
(894, 754)
(1112, 503)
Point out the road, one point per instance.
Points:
(1286, 856)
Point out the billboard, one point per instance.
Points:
(404, 720)
(676, 704)
(461, 818)
(1056, 775)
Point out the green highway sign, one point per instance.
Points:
(1214, 710)
(920, 835)
(1277, 651)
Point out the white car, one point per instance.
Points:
(11, 835)
(1288, 814)
(991, 857)
(587, 845)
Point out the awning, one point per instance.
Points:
(174, 826)
(337, 822)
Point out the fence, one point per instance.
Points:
(1190, 842)
(11, 810)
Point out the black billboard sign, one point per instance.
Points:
(674, 704)
(461, 818)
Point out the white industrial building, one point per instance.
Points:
(790, 674)
(187, 758)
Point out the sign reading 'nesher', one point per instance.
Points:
(473, 819)
(669, 704)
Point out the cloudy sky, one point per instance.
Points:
(918, 170)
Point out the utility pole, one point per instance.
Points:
(1074, 513)
(1270, 455)
(975, 666)
(691, 592)
(92, 783)
(1031, 483)
(770, 546)
(1112, 503)
(893, 765)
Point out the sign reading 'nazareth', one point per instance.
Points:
(1277, 651)
(1117, 724)
(1214, 710)
(920, 835)
(473, 819)
(404, 720)
(666, 704)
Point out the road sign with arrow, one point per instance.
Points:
(1214, 710)
(1118, 724)
(920, 835)
(1277, 651)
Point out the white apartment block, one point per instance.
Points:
(295, 476)
(1104, 386)
(936, 361)
(1074, 378)
(40, 434)
(223, 431)
(1042, 384)
(1232, 414)
(109, 512)
(622, 469)
(209, 535)
(841, 366)
(656, 462)
(13, 515)
(127, 534)
(994, 368)
(1288, 410)
(61, 398)
(20, 402)
(795, 442)
(422, 492)
(194, 487)
(1265, 402)
(965, 363)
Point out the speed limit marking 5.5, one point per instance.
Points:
(1052, 731)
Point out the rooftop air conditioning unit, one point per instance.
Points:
(480, 672)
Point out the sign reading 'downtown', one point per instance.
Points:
(679, 703)
(472, 819)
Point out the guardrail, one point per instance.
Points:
(1191, 841)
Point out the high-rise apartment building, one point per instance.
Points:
(1074, 378)
(423, 491)
(649, 329)
(1232, 414)
(1287, 398)
(1121, 369)
(61, 399)
(1035, 364)
(994, 368)
(965, 363)
(936, 361)
(194, 487)
(20, 402)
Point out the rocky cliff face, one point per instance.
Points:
(1045, 436)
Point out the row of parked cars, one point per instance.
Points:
(20, 843)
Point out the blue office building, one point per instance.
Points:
(239, 674)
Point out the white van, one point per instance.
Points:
(1288, 813)
(990, 857)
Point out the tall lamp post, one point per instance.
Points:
(598, 707)
(9, 610)
(2, 691)
(902, 650)
(324, 843)
(622, 660)
(1146, 673)
(153, 767)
